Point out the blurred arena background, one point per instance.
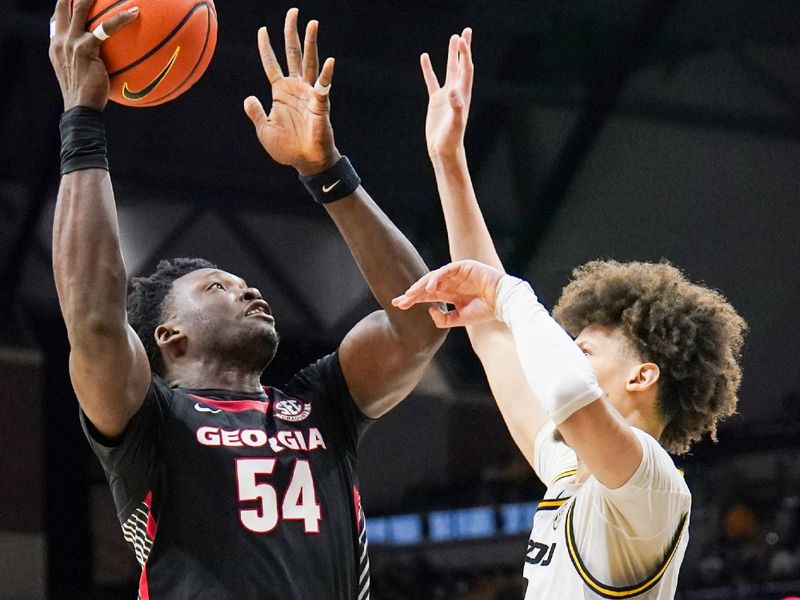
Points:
(626, 129)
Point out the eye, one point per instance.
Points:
(216, 284)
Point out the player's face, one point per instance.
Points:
(613, 361)
(220, 314)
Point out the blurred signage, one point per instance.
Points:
(451, 525)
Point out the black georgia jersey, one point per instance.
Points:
(234, 496)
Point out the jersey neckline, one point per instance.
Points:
(229, 395)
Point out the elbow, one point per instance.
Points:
(568, 395)
(433, 338)
(563, 387)
(423, 345)
(420, 347)
(415, 330)
(437, 336)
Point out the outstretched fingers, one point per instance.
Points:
(268, 60)
(452, 60)
(459, 72)
(323, 84)
(428, 73)
(310, 53)
(465, 66)
(326, 76)
(255, 112)
(294, 57)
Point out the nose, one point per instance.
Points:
(250, 294)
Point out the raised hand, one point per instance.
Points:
(75, 53)
(469, 285)
(298, 130)
(448, 105)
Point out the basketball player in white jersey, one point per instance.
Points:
(653, 367)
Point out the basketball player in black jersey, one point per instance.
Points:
(226, 489)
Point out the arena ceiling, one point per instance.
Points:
(625, 129)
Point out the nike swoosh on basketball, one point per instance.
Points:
(213, 411)
(132, 95)
(328, 188)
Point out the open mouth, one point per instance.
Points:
(259, 315)
(259, 309)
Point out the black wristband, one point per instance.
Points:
(334, 184)
(83, 140)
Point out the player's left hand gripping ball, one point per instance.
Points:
(160, 55)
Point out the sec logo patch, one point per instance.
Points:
(291, 410)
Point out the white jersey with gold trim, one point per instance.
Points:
(589, 541)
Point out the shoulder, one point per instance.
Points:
(323, 385)
(651, 502)
(648, 507)
(316, 370)
(657, 469)
(159, 390)
(323, 376)
(162, 399)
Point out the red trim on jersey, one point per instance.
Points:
(357, 505)
(144, 589)
(235, 405)
(151, 522)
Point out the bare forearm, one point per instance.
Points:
(492, 341)
(87, 261)
(466, 229)
(467, 232)
(388, 261)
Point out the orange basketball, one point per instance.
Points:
(162, 53)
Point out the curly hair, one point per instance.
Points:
(146, 298)
(690, 331)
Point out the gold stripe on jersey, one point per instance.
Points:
(551, 504)
(563, 475)
(607, 591)
(571, 472)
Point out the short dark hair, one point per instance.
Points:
(146, 298)
(690, 331)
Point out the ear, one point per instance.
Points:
(643, 377)
(170, 340)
